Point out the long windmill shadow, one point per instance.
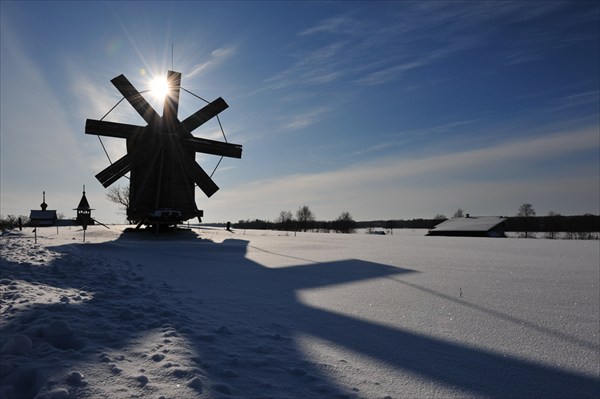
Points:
(257, 315)
(451, 364)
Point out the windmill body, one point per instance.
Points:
(161, 156)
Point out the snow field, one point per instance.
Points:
(259, 314)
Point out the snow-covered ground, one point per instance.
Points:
(252, 314)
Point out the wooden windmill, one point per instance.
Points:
(161, 155)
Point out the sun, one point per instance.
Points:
(159, 87)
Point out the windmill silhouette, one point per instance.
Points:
(161, 156)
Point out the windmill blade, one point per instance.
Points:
(115, 171)
(135, 98)
(205, 114)
(111, 129)
(200, 177)
(214, 147)
(172, 98)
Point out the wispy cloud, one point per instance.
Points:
(578, 100)
(536, 44)
(390, 73)
(336, 25)
(353, 49)
(41, 116)
(98, 99)
(306, 119)
(322, 65)
(41, 146)
(217, 57)
(398, 139)
(426, 185)
(365, 53)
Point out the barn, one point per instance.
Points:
(471, 226)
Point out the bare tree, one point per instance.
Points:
(12, 221)
(390, 225)
(552, 225)
(284, 217)
(119, 195)
(344, 223)
(285, 220)
(526, 211)
(305, 217)
(459, 213)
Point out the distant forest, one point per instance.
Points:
(557, 223)
(345, 224)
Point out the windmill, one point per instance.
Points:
(161, 156)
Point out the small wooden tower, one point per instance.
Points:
(84, 212)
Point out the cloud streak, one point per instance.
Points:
(42, 144)
(426, 186)
(304, 120)
(217, 57)
(415, 35)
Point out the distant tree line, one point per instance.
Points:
(554, 224)
(12, 222)
(525, 222)
(304, 220)
(547, 224)
(401, 223)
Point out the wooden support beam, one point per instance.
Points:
(111, 129)
(213, 147)
(197, 119)
(114, 172)
(172, 98)
(135, 98)
(201, 178)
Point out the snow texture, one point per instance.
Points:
(209, 313)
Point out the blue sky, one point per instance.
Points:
(386, 110)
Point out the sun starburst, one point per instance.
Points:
(159, 87)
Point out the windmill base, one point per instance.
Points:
(165, 219)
